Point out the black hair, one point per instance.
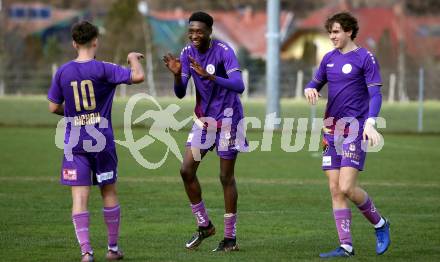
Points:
(347, 21)
(84, 32)
(202, 17)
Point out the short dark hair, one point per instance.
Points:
(347, 21)
(83, 32)
(202, 17)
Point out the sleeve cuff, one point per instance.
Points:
(54, 101)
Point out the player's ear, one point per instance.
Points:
(75, 45)
(95, 42)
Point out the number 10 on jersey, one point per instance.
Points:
(86, 85)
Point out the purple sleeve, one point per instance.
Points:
(371, 71)
(180, 90)
(116, 74)
(55, 93)
(233, 83)
(375, 101)
(320, 77)
(230, 61)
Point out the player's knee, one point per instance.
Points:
(187, 174)
(347, 190)
(80, 202)
(108, 190)
(227, 179)
(334, 189)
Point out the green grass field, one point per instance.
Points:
(284, 203)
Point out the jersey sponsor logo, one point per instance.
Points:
(326, 161)
(347, 68)
(330, 65)
(352, 147)
(210, 68)
(351, 155)
(104, 176)
(69, 174)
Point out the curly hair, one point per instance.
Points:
(202, 17)
(347, 21)
(84, 32)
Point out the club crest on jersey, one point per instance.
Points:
(210, 68)
(347, 68)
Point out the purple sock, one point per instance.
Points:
(112, 217)
(81, 224)
(230, 225)
(343, 223)
(199, 212)
(369, 211)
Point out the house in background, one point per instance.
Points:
(41, 20)
(380, 28)
(243, 28)
(401, 42)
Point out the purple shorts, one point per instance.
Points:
(342, 153)
(227, 141)
(88, 169)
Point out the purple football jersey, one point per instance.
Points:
(212, 99)
(87, 89)
(348, 76)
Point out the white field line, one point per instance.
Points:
(215, 180)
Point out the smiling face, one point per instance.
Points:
(199, 34)
(339, 38)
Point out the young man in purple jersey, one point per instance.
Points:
(354, 101)
(82, 91)
(217, 77)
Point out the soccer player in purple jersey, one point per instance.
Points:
(354, 96)
(82, 91)
(217, 77)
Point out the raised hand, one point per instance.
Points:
(198, 68)
(134, 56)
(172, 63)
